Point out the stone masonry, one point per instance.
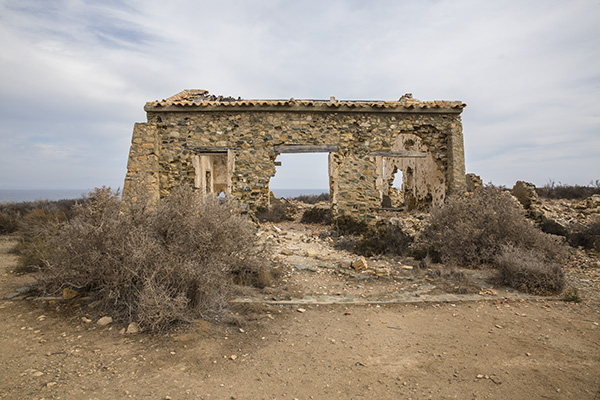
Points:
(226, 145)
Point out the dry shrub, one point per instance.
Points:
(473, 229)
(317, 215)
(278, 211)
(529, 271)
(12, 215)
(552, 190)
(312, 198)
(155, 266)
(383, 238)
(586, 235)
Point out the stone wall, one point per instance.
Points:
(185, 132)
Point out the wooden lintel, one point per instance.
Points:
(306, 149)
(399, 154)
(212, 149)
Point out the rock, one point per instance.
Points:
(359, 264)
(10, 296)
(305, 267)
(86, 320)
(68, 294)
(347, 264)
(526, 194)
(287, 252)
(132, 328)
(23, 289)
(233, 357)
(312, 253)
(408, 267)
(104, 321)
(37, 373)
(301, 310)
(474, 182)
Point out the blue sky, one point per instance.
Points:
(76, 74)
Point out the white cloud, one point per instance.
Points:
(76, 74)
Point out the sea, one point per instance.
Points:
(22, 195)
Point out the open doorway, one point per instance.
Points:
(301, 174)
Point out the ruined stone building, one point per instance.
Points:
(227, 145)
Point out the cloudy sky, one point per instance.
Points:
(75, 75)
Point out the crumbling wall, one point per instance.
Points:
(183, 137)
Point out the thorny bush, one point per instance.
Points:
(155, 265)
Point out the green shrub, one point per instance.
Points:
(155, 266)
(472, 230)
(529, 271)
(317, 215)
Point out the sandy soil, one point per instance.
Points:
(495, 347)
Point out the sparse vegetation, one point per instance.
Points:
(317, 215)
(12, 214)
(553, 190)
(586, 235)
(155, 266)
(312, 198)
(278, 211)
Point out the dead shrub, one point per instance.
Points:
(383, 238)
(586, 235)
(317, 215)
(552, 190)
(529, 271)
(155, 266)
(278, 211)
(472, 230)
(312, 198)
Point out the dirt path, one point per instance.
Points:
(497, 349)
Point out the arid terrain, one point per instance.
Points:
(321, 332)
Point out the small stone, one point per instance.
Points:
(68, 294)
(50, 384)
(312, 253)
(132, 328)
(301, 310)
(233, 357)
(359, 264)
(408, 267)
(37, 373)
(104, 321)
(86, 320)
(480, 376)
(499, 326)
(287, 252)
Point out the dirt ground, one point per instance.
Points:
(492, 345)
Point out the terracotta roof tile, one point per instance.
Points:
(202, 98)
